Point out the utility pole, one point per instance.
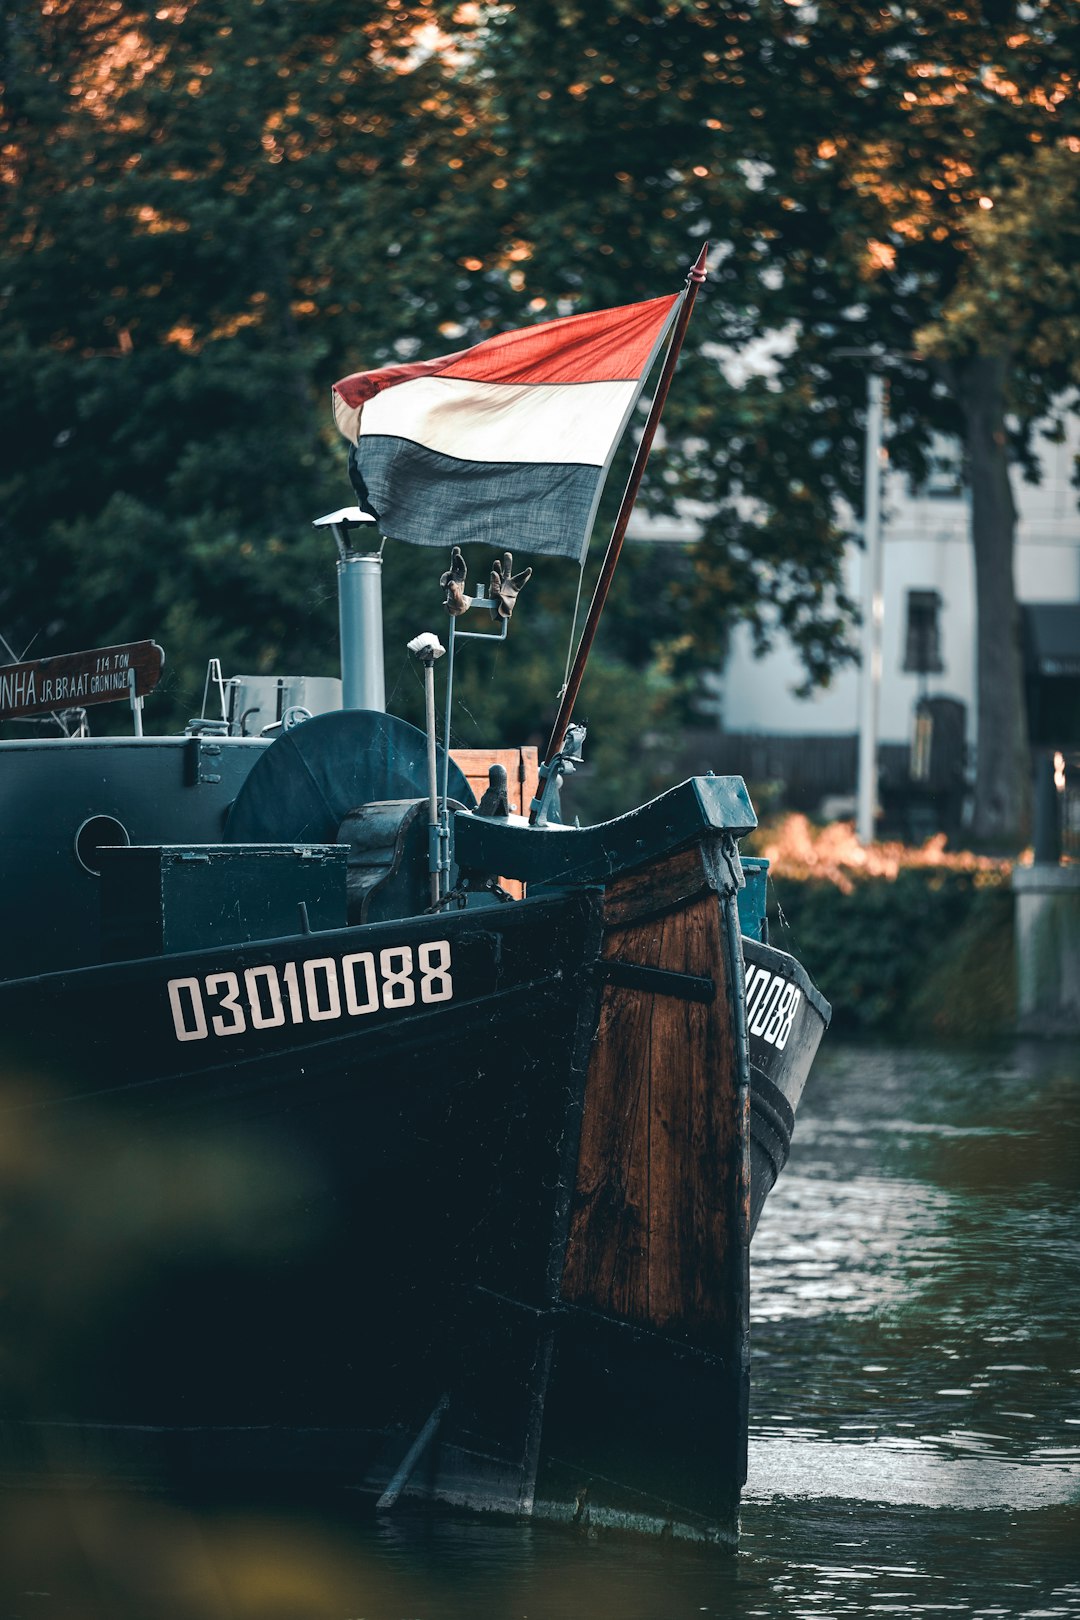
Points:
(870, 676)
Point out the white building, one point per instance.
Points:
(928, 567)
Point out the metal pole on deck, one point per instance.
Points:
(427, 648)
(136, 703)
(363, 683)
(360, 621)
(433, 789)
(870, 676)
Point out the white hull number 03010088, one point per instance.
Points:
(312, 992)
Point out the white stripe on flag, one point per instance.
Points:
(503, 422)
(347, 417)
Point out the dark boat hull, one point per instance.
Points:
(455, 1207)
(786, 1016)
(267, 1247)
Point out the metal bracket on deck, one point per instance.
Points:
(203, 761)
(727, 871)
(545, 807)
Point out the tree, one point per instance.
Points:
(596, 165)
(1020, 281)
(212, 210)
(912, 132)
(216, 207)
(845, 154)
(184, 189)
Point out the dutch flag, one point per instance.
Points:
(507, 443)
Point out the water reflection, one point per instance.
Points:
(915, 1442)
(915, 1473)
(916, 1284)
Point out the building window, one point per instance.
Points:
(945, 478)
(922, 643)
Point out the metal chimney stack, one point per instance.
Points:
(363, 683)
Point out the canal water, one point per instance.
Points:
(915, 1445)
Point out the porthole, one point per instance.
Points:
(97, 833)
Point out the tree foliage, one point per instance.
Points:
(214, 208)
(912, 129)
(850, 158)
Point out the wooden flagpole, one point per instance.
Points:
(603, 584)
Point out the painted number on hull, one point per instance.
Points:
(325, 988)
(771, 1004)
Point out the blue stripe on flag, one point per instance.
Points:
(431, 499)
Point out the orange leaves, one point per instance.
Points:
(125, 60)
(232, 324)
(1001, 86)
(183, 337)
(879, 256)
(796, 848)
(150, 222)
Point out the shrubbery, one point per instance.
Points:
(927, 950)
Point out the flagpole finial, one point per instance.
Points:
(699, 272)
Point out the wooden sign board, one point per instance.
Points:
(75, 680)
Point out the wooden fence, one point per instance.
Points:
(791, 771)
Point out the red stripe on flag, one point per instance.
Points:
(609, 345)
(364, 385)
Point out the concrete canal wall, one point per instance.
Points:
(1047, 933)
